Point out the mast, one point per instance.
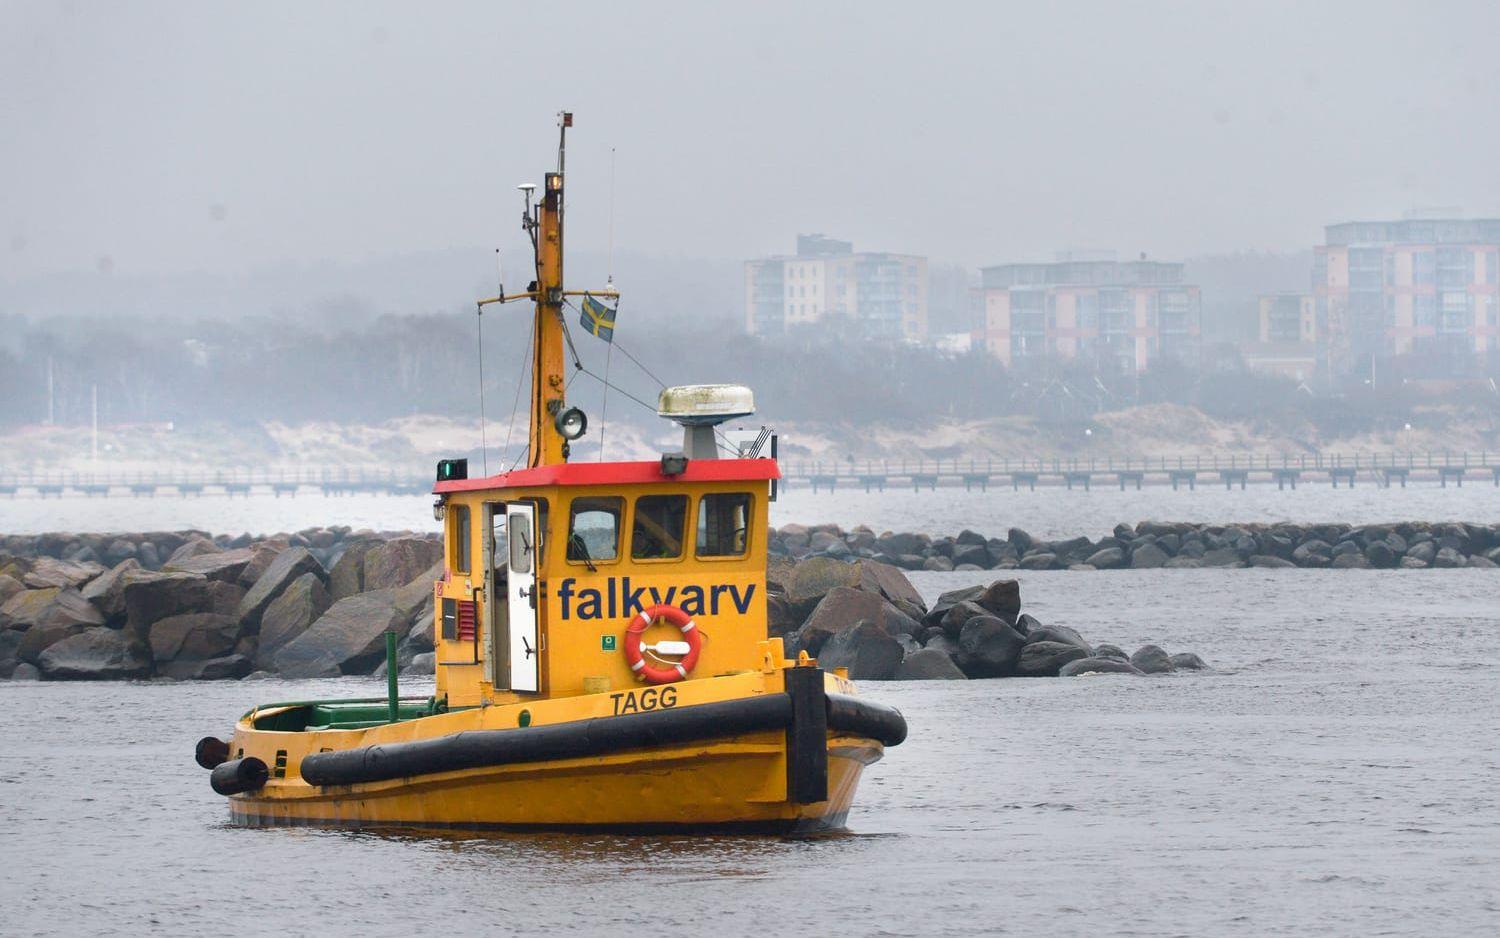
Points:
(547, 446)
(547, 443)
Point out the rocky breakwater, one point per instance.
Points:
(1407, 545)
(188, 606)
(864, 615)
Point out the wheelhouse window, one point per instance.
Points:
(657, 532)
(458, 538)
(594, 529)
(724, 524)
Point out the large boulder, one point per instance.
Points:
(348, 574)
(399, 561)
(192, 547)
(1058, 633)
(419, 592)
(1002, 598)
(1450, 558)
(841, 608)
(196, 636)
(867, 650)
(946, 601)
(99, 653)
(151, 597)
(812, 579)
(20, 612)
(1187, 661)
(1313, 553)
(956, 617)
(9, 586)
(1045, 659)
(48, 572)
(1151, 659)
(347, 639)
(287, 566)
(990, 647)
(928, 664)
(1039, 560)
(289, 615)
(226, 566)
(779, 617)
(69, 607)
(107, 591)
(1148, 556)
(1110, 558)
(261, 557)
(1097, 666)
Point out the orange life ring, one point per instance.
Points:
(637, 629)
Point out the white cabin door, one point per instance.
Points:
(521, 540)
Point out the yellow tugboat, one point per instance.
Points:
(602, 659)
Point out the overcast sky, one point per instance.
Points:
(149, 138)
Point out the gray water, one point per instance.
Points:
(1336, 775)
(1046, 513)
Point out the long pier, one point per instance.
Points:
(1231, 470)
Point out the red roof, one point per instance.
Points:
(619, 473)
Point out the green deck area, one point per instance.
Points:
(314, 715)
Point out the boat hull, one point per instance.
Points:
(747, 752)
(733, 784)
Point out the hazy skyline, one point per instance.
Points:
(149, 139)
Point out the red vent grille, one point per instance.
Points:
(467, 629)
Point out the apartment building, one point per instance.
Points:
(1125, 315)
(1289, 341)
(1418, 285)
(879, 295)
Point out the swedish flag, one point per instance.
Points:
(597, 318)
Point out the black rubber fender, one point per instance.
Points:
(211, 752)
(239, 775)
(866, 718)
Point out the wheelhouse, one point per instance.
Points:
(546, 567)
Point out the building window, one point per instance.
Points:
(724, 524)
(458, 537)
(594, 528)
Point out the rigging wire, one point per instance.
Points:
(521, 379)
(609, 280)
(484, 448)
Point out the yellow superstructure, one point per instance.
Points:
(601, 652)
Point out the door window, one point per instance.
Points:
(656, 533)
(521, 548)
(458, 532)
(724, 524)
(594, 529)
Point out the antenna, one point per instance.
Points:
(484, 447)
(609, 279)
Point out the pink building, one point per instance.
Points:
(1416, 285)
(1124, 314)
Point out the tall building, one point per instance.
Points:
(883, 295)
(1417, 285)
(1126, 314)
(1289, 341)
